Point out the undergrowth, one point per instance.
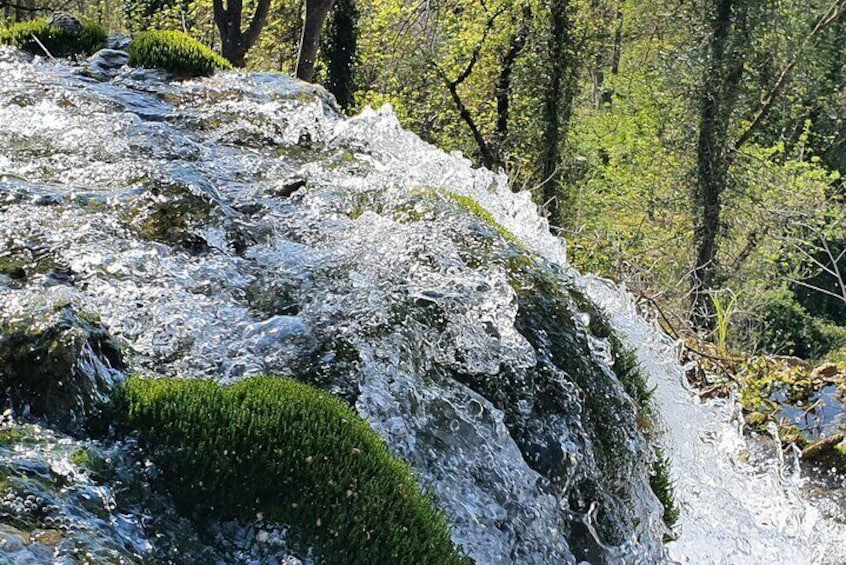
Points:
(58, 42)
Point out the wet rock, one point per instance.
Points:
(824, 373)
(118, 41)
(57, 365)
(171, 213)
(65, 21)
(106, 63)
(289, 186)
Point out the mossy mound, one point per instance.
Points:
(58, 41)
(292, 453)
(176, 52)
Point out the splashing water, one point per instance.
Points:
(237, 225)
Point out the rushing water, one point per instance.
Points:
(237, 225)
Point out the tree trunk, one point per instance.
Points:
(727, 48)
(607, 96)
(315, 15)
(558, 104)
(235, 43)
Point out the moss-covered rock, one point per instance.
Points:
(292, 453)
(60, 41)
(176, 52)
(170, 213)
(612, 415)
(58, 365)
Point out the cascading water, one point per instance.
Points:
(237, 225)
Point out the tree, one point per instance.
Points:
(315, 16)
(340, 52)
(557, 102)
(726, 51)
(729, 47)
(234, 42)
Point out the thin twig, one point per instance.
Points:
(38, 41)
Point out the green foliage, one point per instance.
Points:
(176, 52)
(141, 15)
(295, 454)
(57, 41)
(783, 326)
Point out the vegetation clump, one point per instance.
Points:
(176, 52)
(58, 41)
(292, 453)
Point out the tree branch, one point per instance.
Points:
(31, 9)
(257, 23)
(488, 155)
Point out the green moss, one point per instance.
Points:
(474, 208)
(176, 52)
(293, 453)
(58, 42)
(10, 437)
(88, 459)
(662, 486)
(13, 265)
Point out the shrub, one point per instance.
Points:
(297, 455)
(176, 52)
(785, 327)
(58, 42)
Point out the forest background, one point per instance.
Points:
(693, 149)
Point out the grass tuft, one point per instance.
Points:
(662, 486)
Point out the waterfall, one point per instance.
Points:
(237, 225)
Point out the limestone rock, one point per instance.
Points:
(106, 63)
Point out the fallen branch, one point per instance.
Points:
(38, 41)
